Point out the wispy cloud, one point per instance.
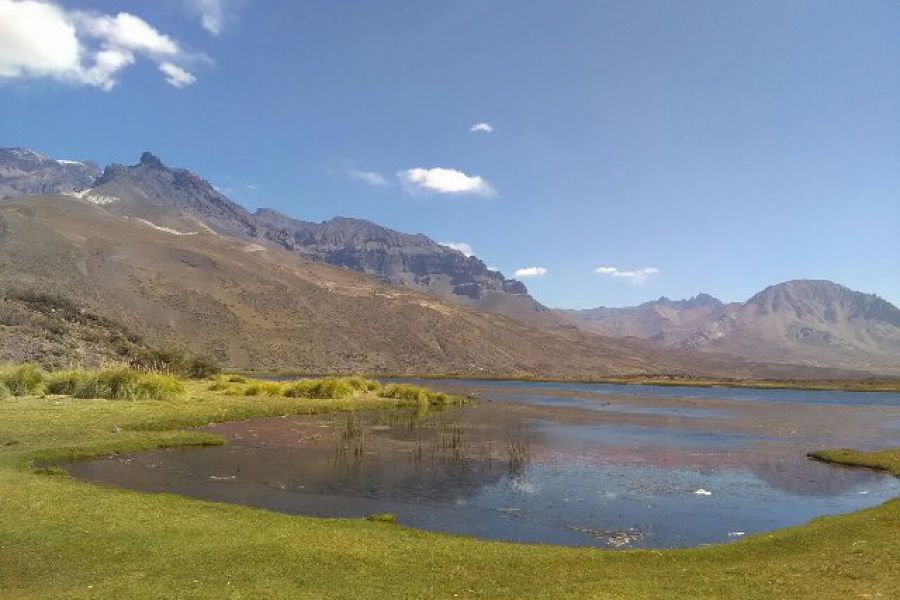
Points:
(482, 128)
(372, 178)
(531, 272)
(176, 76)
(460, 247)
(42, 39)
(212, 13)
(637, 276)
(444, 181)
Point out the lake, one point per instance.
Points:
(575, 464)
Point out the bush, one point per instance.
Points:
(127, 384)
(264, 388)
(64, 383)
(201, 367)
(4, 391)
(22, 380)
(176, 361)
(168, 360)
(414, 393)
(404, 391)
(321, 389)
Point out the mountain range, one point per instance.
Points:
(812, 322)
(157, 253)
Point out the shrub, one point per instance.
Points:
(321, 389)
(201, 367)
(264, 388)
(22, 380)
(128, 384)
(363, 385)
(404, 391)
(219, 386)
(4, 391)
(169, 360)
(64, 383)
(175, 361)
(414, 393)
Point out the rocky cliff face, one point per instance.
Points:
(413, 261)
(24, 172)
(170, 197)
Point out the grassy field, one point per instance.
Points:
(61, 538)
(884, 460)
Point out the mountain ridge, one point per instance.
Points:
(815, 322)
(180, 198)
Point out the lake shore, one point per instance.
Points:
(844, 385)
(64, 538)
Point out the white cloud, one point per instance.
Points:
(373, 178)
(176, 76)
(41, 39)
(126, 31)
(482, 128)
(460, 247)
(531, 272)
(211, 13)
(444, 181)
(637, 276)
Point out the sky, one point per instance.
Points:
(609, 152)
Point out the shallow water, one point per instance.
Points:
(543, 463)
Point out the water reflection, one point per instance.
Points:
(536, 470)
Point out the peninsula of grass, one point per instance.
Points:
(821, 385)
(63, 538)
(883, 460)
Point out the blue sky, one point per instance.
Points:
(717, 146)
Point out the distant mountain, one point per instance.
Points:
(24, 172)
(654, 320)
(811, 322)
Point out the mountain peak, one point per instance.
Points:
(700, 300)
(25, 172)
(149, 159)
(824, 298)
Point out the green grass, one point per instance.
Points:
(21, 380)
(885, 460)
(335, 388)
(874, 384)
(62, 538)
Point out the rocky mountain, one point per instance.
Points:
(656, 320)
(24, 172)
(263, 306)
(810, 322)
(412, 261)
(162, 252)
(177, 198)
